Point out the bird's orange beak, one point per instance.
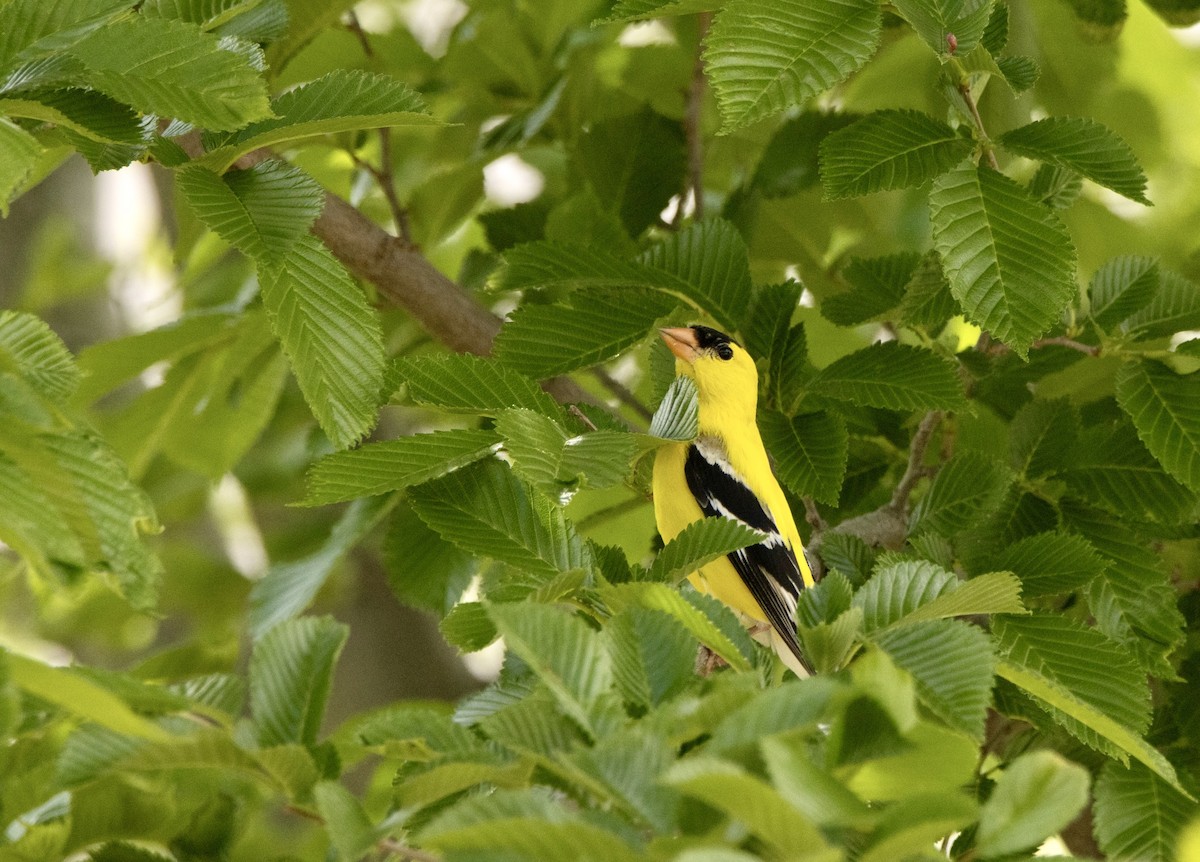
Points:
(682, 341)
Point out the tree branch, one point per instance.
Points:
(916, 469)
(691, 128)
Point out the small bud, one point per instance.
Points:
(952, 42)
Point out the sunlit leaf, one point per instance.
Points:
(1010, 261)
(1165, 409)
(331, 336)
(1084, 146)
(173, 69)
(390, 465)
(764, 57)
(892, 149)
(892, 376)
(1036, 796)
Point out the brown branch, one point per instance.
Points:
(1064, 341)
(916, 469)
(405, 278)
(693, 134)
(622, 393)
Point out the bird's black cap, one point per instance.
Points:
(709, 338)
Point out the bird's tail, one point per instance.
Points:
(797, 663)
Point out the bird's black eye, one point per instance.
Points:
(725, 352)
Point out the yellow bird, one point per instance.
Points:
(725, 473)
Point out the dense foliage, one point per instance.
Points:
(929, 221)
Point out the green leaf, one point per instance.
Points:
(706, 263)
(1165, 409)
(468, 626)
(810, 452)
(1100, 20)
(893, 376)
(1009, 260)
(1020, 73)
(1036, 796)
(30, 29)
(31, 349)
(1042, 437)
(485, 510)
(966, 488)
(928, 301)
(1081, 660)
(934, 20)
(1174, 308)
(910, 826)
(173, 69)
(592, 327)
(567, 655)
(636, 10)
(698, 544)
(791, 162)
(551, 264)
(995, 35)
(377, 468)
(349, 828)
(522, 824)
(877, 286)
(288, 588)
(262, 211)
(677, 417)
(424, 570)
(897, 590)
(935, 759)
(212, 403)
(634, 163)
(291, 669)
(546, 455)
(1084, 146)
(462, 383)
(69, 690)
(829, 645)
(1138, 815)
(1052, 563)
(992, 593)
(812, 790)
(885, 150)
(745, 798)
(764, 57)
(951, 663)
(660, 597)
(653, 655)
(19, 152)
(630, 763)
(1122, 287)
(331, 336)
(1086, 722)
(1113, 468)
(343, 100)
(88, 488)
(1135, 593)
(1055, 187)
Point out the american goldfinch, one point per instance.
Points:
(725, 473)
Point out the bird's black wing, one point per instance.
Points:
(769, 568)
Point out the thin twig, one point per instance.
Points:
(813, 515)
(391, 845)
(916, 469)
(581, 416)
(383, 175)
(622, 393)
(692, 131)
(1064, 341)
(606, 514)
